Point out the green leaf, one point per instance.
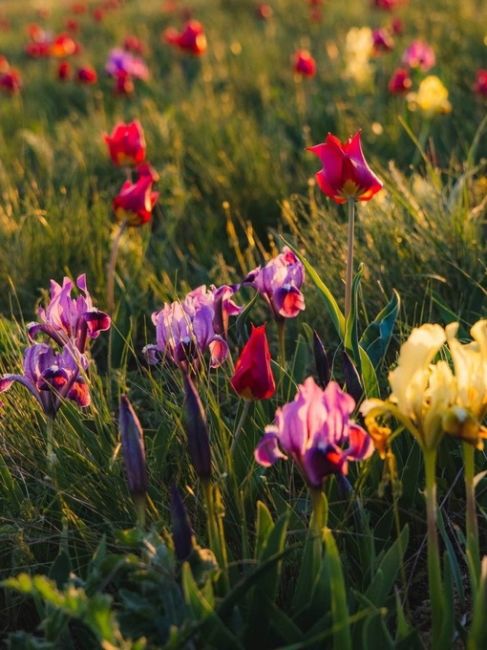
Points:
(377, 336)
(263, 528)
(242, 318)
(369, 377)
(351, 326)
(477, 636)
(388, 570)
(342, 639)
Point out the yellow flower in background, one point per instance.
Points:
(430, 399)
(359, 45)
(431, 98)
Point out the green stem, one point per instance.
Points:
(434, 565)
(139, 501)
(281, 334)
(349, 269)
(317, 521)
(215, 533)
(473, 553)
(51, 455)
(391, 461)
(112, 265)
(241, 422)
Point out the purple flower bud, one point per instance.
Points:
(182, 533)
(196, 430)
(321, 361)
(133, 449)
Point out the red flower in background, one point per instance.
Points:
(383, 41)
(124, 84)
(87, 75)
(253, 378)
(191, 39)
(63, 46)
(263, 11)
(135, 201)
(11, 81)
(304, 64)
(64, 71)
(126, 144)
(345, 175)
(480, 85)
(133, 44)
(400, 82)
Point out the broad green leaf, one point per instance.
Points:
(263, 528)
(376, 338)
(477, 636)
(388, 570)
(342, 639)
(369, 377)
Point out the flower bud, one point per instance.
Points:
(196, 430)
(133, 449)
(182, 533)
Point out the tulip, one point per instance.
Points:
(135, 201)
(279, 282)
(419, 55)
(68, 320)
(382, 41)
(62, 46)
(316, 431)
(388, 5)
(304, 64)
(191, 39)
(431, 98)
(87, 75)
(63, 71)
(400, 82)
(133, 44)
(124, 84)
(263, 11)
(480, 85)
(186, 329)
(133, 450)
(253, 378)
(11, 81)
(196, 430)
(126, 144)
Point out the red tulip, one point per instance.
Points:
(11, 81)
(263, 11)
(191, 39)
(134, 45)
(253, 378)
(126, 144)
(63, 71)
(400, 82)
(480, 85)
(124, 84)
(383, 41)
(135, 201)
(87, 75)
(304, 64)
(62, 46)
(345, 175)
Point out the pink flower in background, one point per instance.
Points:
(51, 377)
(126, 143)
(135, 201)
(122, 61)
(304, 64)
(280, 281)
(186, 329)
(191, 38)
(419, 55)
(400, 82)
(480, 85)
(345, 175)
(382, 41)
(316, 431)
(69, 320)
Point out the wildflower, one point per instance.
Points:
(186, 329)
(400, 82)
(126, 144)
(304, 64)
(51, 377)
(359, 47)
(87, 75)
(135, 201)
(431, 98)
(133, 44)
(345, 175)
(121, 61)
(63, 71)
(197, 430)
(382, 41)
(63, 46)
(253, 377)
(70, 320)
(280, 281)
(11, 81)
(480, 85)
(316, 431)
(133, 449)
(419, 55)
(191, 39)
(263, 11)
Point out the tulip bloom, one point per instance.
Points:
(51, 377)
(253, 377)
(419, 55)
(431, 98)
(280, 281)
(400, 82)
(263, 11)
(388, 5)
(63, 71)
(382, 41)
(480, 85)
(68, 320)
(345, 175)
(63, 46)
(304, 64)
(135, 201)
(11, 81)
(186, 329)
(126, 144)
(87, 75)
(191, 39)
(316, 431)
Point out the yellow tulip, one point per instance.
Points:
(431, 98)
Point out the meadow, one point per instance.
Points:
(243, 362)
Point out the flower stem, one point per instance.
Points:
(139, 501)
(349, 270)
(281, 333)
(473, 554)
(112, 264)
(317, 523)
(241, 422)
(51, 455)
(434, 566)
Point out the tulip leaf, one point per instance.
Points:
(342, 639)
(387, 570)
(336, 314)
(377, 336)
(369, 377)
(263, 528)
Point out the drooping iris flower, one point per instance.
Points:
(51, 377)
(345, 175)
(280, 281)
(253, 378)
(316, 432)
(68, 320)
(186, 329)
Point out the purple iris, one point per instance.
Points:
(52, 377)
(70, 320)
(121, 62)
(186, 329)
